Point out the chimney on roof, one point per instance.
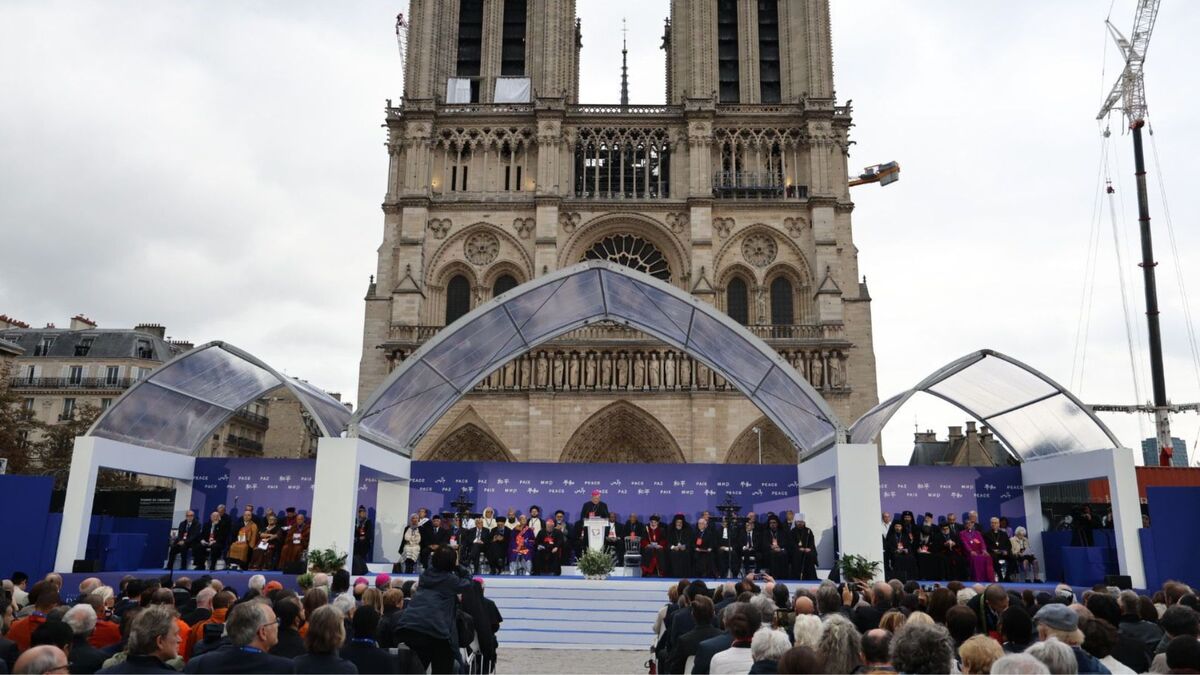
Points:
(971, 428)
(182, 345)
(81, 322)
(337, 396)
(7, 322)
(154, 329)
(924, 437)
(955, 433)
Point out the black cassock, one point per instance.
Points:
(497, 549)
(775, 547)
(726, 557)
(954, 563)
(747, 542)
(804, 563)
(591, 510)
(899, 547)
(929, 563)
(546, 558)
(702, 556)
(1000, 547)
(679, 546)
(364, 538)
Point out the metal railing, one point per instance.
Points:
(755, 185)
(252, 417)
(416, 335)
(243, 443)
(70, 383)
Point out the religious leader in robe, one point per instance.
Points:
(679, 546)
(654, 548)
(804, 550)
(243, 542)
(295, 542)
(725, 553)
(594, 508)
(364, 535)
(775, 547)
(550, 543)
(703, 564)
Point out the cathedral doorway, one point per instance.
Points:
(776, 448)
(622, 433)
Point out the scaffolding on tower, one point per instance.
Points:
(401, 38)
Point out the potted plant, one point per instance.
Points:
(327, 560)
(858, 568)
(596, 565)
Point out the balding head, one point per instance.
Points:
(88, 585)
(204, 598)
(42, 659)
(804, 605)
(81, 619)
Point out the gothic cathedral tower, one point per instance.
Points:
(735, 190)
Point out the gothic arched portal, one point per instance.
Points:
(622, 433)
(776, 448)
(468, 439)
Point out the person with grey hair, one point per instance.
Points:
(829, 601)
(743, 622)
(345, 604)
(766, 609)
(766, 648)
(42, 659)
(252, 630)
(320, 580)
(1019, 664)
(1056, 655)
(257, 583)
(1131, 626)
(921, 648)
(154, 640)
(841, 645)
(807, 631)
(84, 657)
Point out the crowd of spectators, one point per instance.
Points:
(757, 625)
(441, 621)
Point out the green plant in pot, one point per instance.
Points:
(857, 568)
(326, 560)
(596, 564)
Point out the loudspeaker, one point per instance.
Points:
(85, 566)
(1121, 581)
(294, 567)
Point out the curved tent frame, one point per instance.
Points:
(1033, 415)
(179, 405)
(415, 395)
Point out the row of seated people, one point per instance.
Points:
(950, 550)
(266, 542)
(521, 544)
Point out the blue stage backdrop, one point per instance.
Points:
(24, 520)
(638, 488)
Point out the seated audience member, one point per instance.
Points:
(42, 659)
(701, 609)
(1016, 630)
(876, 647)
(154, 642)
(922, 648)
(807, 630)
(203, 609)
(1062, 624)
(84, 657)
(1127, 650)
(1019, 664)
(1056, 655)
(978, 654)
(1133, 626)
(742, 623)
(363, 651)
(393, 607)
(840, 645)
(55, 634)
(1099, 639)
(290, 643)
(221, 603)
(427, 625)
(44, 599)
(801, 660)
(961, 624)
(766, 648)
(325, 636)
(252, 630)
(1177, 621)
(1183, 655)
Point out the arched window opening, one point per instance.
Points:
(737, 301)
(458, 298)
(782, 302)
(504, 284)
(631, 251)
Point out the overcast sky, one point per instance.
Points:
(217, 166)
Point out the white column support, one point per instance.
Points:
(88, 457)
(1117, 467)
(1033, 522)
(851, 473)
(335, 489)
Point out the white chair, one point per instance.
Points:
(687, 666)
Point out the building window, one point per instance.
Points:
(770, 90)
(30, 374)
(140, 373)
(144, 350)
(68, 410)
(458, 298)
(84, 346)
(737, 301)
(782, 307)
(112, 375)
(503, 285)
(633, 252)
(43, 348)
(27, 404)
(470, 40)
(75, 375)
(105, 404)
(512, 62)
(728, 62)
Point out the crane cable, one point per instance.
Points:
(1088, 285)
(1193, 344)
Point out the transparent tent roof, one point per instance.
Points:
(183, 401)
(1029, 412)
(430, 381)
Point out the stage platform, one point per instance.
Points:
(567, 612)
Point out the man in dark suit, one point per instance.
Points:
(290, 643)
(709, 648)
(688, 643)
(362, 650)
(84, 657)
(210, 546)
(682, 621)
(186, 536)
(475, 543)
(252, 630)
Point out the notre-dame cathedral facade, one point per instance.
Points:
(735, 190)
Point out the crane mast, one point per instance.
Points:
(1129, 96)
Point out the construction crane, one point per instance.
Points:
(884, 174)
(1129, 96)
(401, 38)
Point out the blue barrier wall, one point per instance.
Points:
(24, 512)
(1176, 547)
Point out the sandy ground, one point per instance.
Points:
(567, 661)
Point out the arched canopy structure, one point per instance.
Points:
(438, 374)
(1032, 414)
(179, 405)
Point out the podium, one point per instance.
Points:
(595, 532)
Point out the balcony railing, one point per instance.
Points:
(251, 417)
(243, 443)
(70, 383)
(755, 185)
(417, 335)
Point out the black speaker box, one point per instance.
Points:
(85, 566)
(1121, 581)
(295, 567)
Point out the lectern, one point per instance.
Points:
(595, 532)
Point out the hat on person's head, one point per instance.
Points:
(435, 517)
(595, 493)
(382, 580)
(360, 580)
(290, 509)
(656, 518)
(1058, 617)
(273, 586)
